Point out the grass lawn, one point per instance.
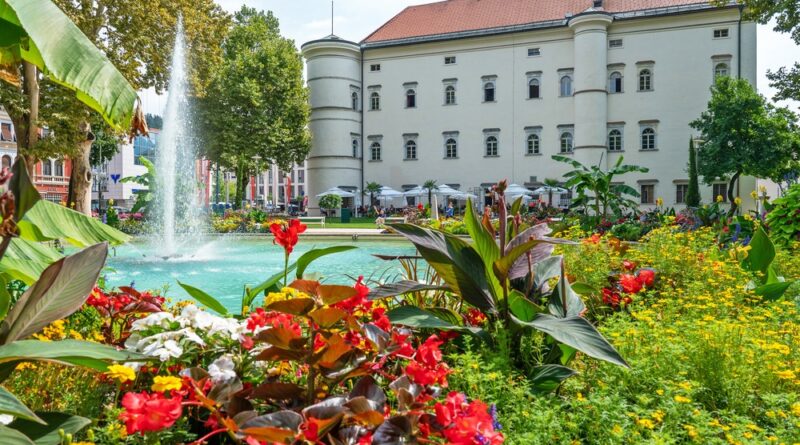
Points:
(355, 223)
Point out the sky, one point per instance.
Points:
(304, 20)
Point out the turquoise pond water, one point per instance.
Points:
(223, 266)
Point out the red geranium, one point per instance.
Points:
(628, 265)
(287, 235)
(630, 284)
(149, 412)
(467, 423)
(475, 317)
(647, 277)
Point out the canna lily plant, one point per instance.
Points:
(507, 274)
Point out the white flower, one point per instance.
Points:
(221, 370)
(5, 419)
(162, 319)
(163, 351)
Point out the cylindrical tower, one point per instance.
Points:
(591, 93)
(334, 82)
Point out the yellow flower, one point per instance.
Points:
(121, 373)
(646, 423)
(659, 202)
(682, 399)
(762, 189)
(163, 383)
(754, 194)
(720, 198)
(796, 409)
(786, 375)
(737, 201)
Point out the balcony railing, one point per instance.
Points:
(43, 179)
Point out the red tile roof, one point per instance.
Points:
(453, 16)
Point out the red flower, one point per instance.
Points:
(475, 317)
(611, 298)
(467, 423)
(287, 235)
(628, 265)
(149, 412)
(630, 284)
(380, 319)
(428, 353)
(357, 303)
(594, 239)
(260, 318)
(647, 277)
(427, 367)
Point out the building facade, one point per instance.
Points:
(469, 92)
(125, 163)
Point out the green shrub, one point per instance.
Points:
(784, 218)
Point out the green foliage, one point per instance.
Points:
(373, 188)
(330, 202)
(596, 189)
(430, 186)
(256, 110)
(145, 197)
(758, 261)
(693, 194)
(744, 135)
(784, 218)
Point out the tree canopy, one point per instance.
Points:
(744, 134)
(256, 110)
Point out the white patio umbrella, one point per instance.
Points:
(445, 190)
(388, 192)
(415, 192)
(336, 191)
(545, 189)
(516, 190)
(463, 196)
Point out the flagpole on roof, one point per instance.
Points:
(331, 17)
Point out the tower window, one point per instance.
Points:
(411, 150)
(450, 60)
(489, 92)
(615, 43)
(375, 67)
(647, 192)
(533, 89)
(615, 82)
(375, 101)
(375, 151)
(450, 95)
(565, 86)
(532, 52)
(491, 146)
(355, 148)
(721, 33)
(411, 98)
(354, 100)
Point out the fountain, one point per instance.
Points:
(176, 208)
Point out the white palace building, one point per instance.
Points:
(469, 92)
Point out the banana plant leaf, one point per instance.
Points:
(38, 32)
(26, 260)
(47, 221)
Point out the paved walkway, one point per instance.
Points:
(344, 232)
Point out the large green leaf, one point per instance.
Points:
(9, 436)
(773, 291)
(402, 287)
(270, 283)
(26, 260)
(10, 405)
(485, 244)
(204, 299)
(60, 291)
(578, 333)
(306, 259)
(415, 317)
(74, 352)
(47, 221)
(761, 253)
(65, 54)
(564, 302)
(5, 297)
(49, 434)
(521, 307)
(547, 378)
(456, 262)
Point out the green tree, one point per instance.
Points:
(256, 110)
(372, 188)
(430, 186)
(551, 183)
(786, 16)
(137, 38)
(330, 202)
(603, 194)
(744, 135)
(693, 193)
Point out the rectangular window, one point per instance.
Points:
(721, 33)
(680, 193)
(375, 67)
(647, 191)
(615, 43)
(718, 190)
(450, 60)
(532, 52)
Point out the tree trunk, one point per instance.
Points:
(29, 134)
(80, 178)
(242, 179)
(731, 197)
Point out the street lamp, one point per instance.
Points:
(102, 178)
